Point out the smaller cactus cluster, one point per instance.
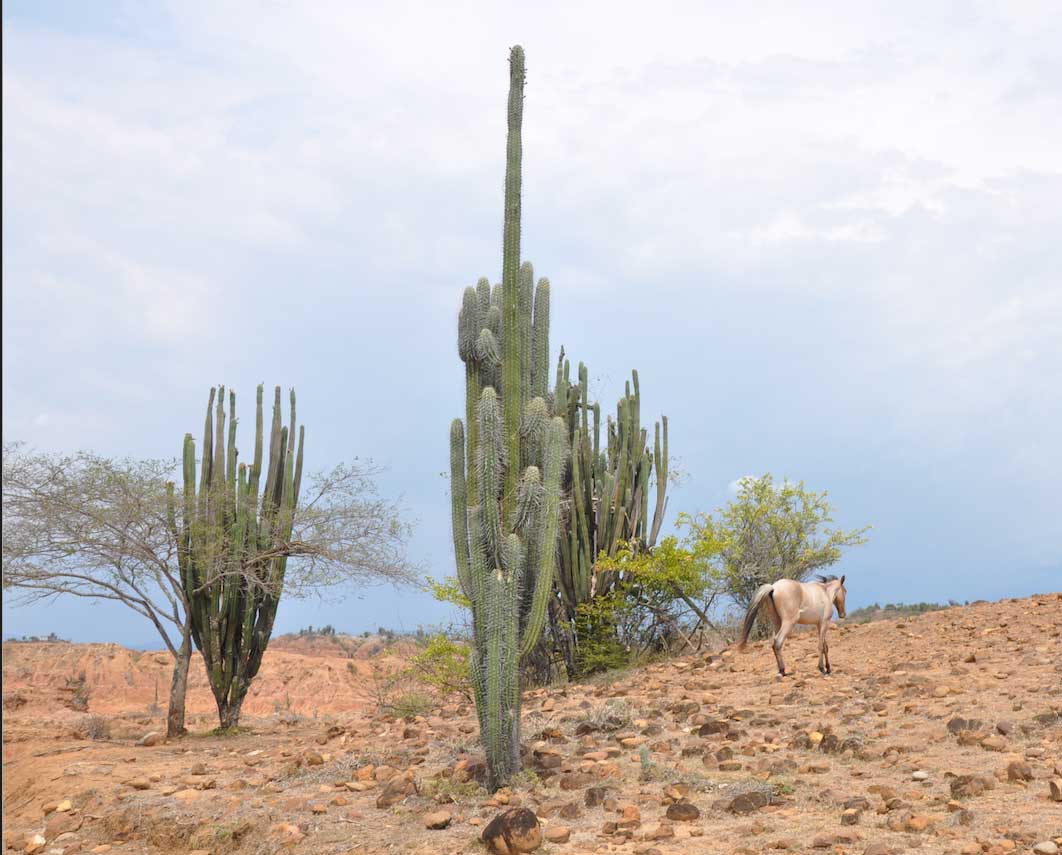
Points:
(618, 488)
(233, 543)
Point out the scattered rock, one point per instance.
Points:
(61, 823)
(683, 812)
(395, 791)
(34, 844)
(513, 831)
(437, 819)
(920, 775)
(994, 743)
(557, 833)
(747, 802)
(1019, 770)
(1055, 789)
(150, 739)
(1046, 847)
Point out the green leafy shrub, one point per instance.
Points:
(442, 665)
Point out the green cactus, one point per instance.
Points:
(609, 490)
(507, 461)
(233, 544)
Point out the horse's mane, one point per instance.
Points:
(825, 579)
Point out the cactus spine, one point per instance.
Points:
(507, 461)
(609, 489)
(233, 543)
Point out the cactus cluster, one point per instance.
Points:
(506, 470)
(233, 543)
(609, 486)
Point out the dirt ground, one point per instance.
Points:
(940, 733)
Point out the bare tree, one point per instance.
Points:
(82, 525)
(88, 526)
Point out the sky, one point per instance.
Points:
(828, 238)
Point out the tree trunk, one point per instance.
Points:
(179, 688)
(229, 708)
(562, 636)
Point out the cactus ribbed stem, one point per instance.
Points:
(506, 463)
(233, 545)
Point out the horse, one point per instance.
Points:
(792, 602)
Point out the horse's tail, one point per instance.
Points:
(750, 615)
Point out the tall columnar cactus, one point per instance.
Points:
(233, 543)
(506, 470)
(609, 488)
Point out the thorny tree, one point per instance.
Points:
(88, 526)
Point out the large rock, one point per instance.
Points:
(513, 831)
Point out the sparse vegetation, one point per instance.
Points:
(97, 727)
(896, 610)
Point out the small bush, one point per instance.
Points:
(442, 665)
(409, 705)
(79, 693)
(612, 715)
(97, 727)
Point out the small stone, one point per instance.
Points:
(186, 795)
(850, 816)
(318, 808)
(1046, 847)
(64, 806)
(920, 775)
(595, 796)
(1055, 789)
(876, 849)
(993, 743)
(1004, 728)
(683, 812)
(1019, 770)
(395, 791)
(747, 802)
(557, 833)
(437, 819)
(35, 844)
(314, 759)
(139, 784)
(150, 739)
(60, 823)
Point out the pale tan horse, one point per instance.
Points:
(791, 602)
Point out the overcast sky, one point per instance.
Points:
(829, 236)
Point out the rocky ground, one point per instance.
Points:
(941, 733)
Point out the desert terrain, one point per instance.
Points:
(940, 733)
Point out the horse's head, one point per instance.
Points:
(838, 597)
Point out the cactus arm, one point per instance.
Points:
(661, 460)
(459, 505)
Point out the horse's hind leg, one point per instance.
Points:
(826, 653)
(824, 668)
(779, 641)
